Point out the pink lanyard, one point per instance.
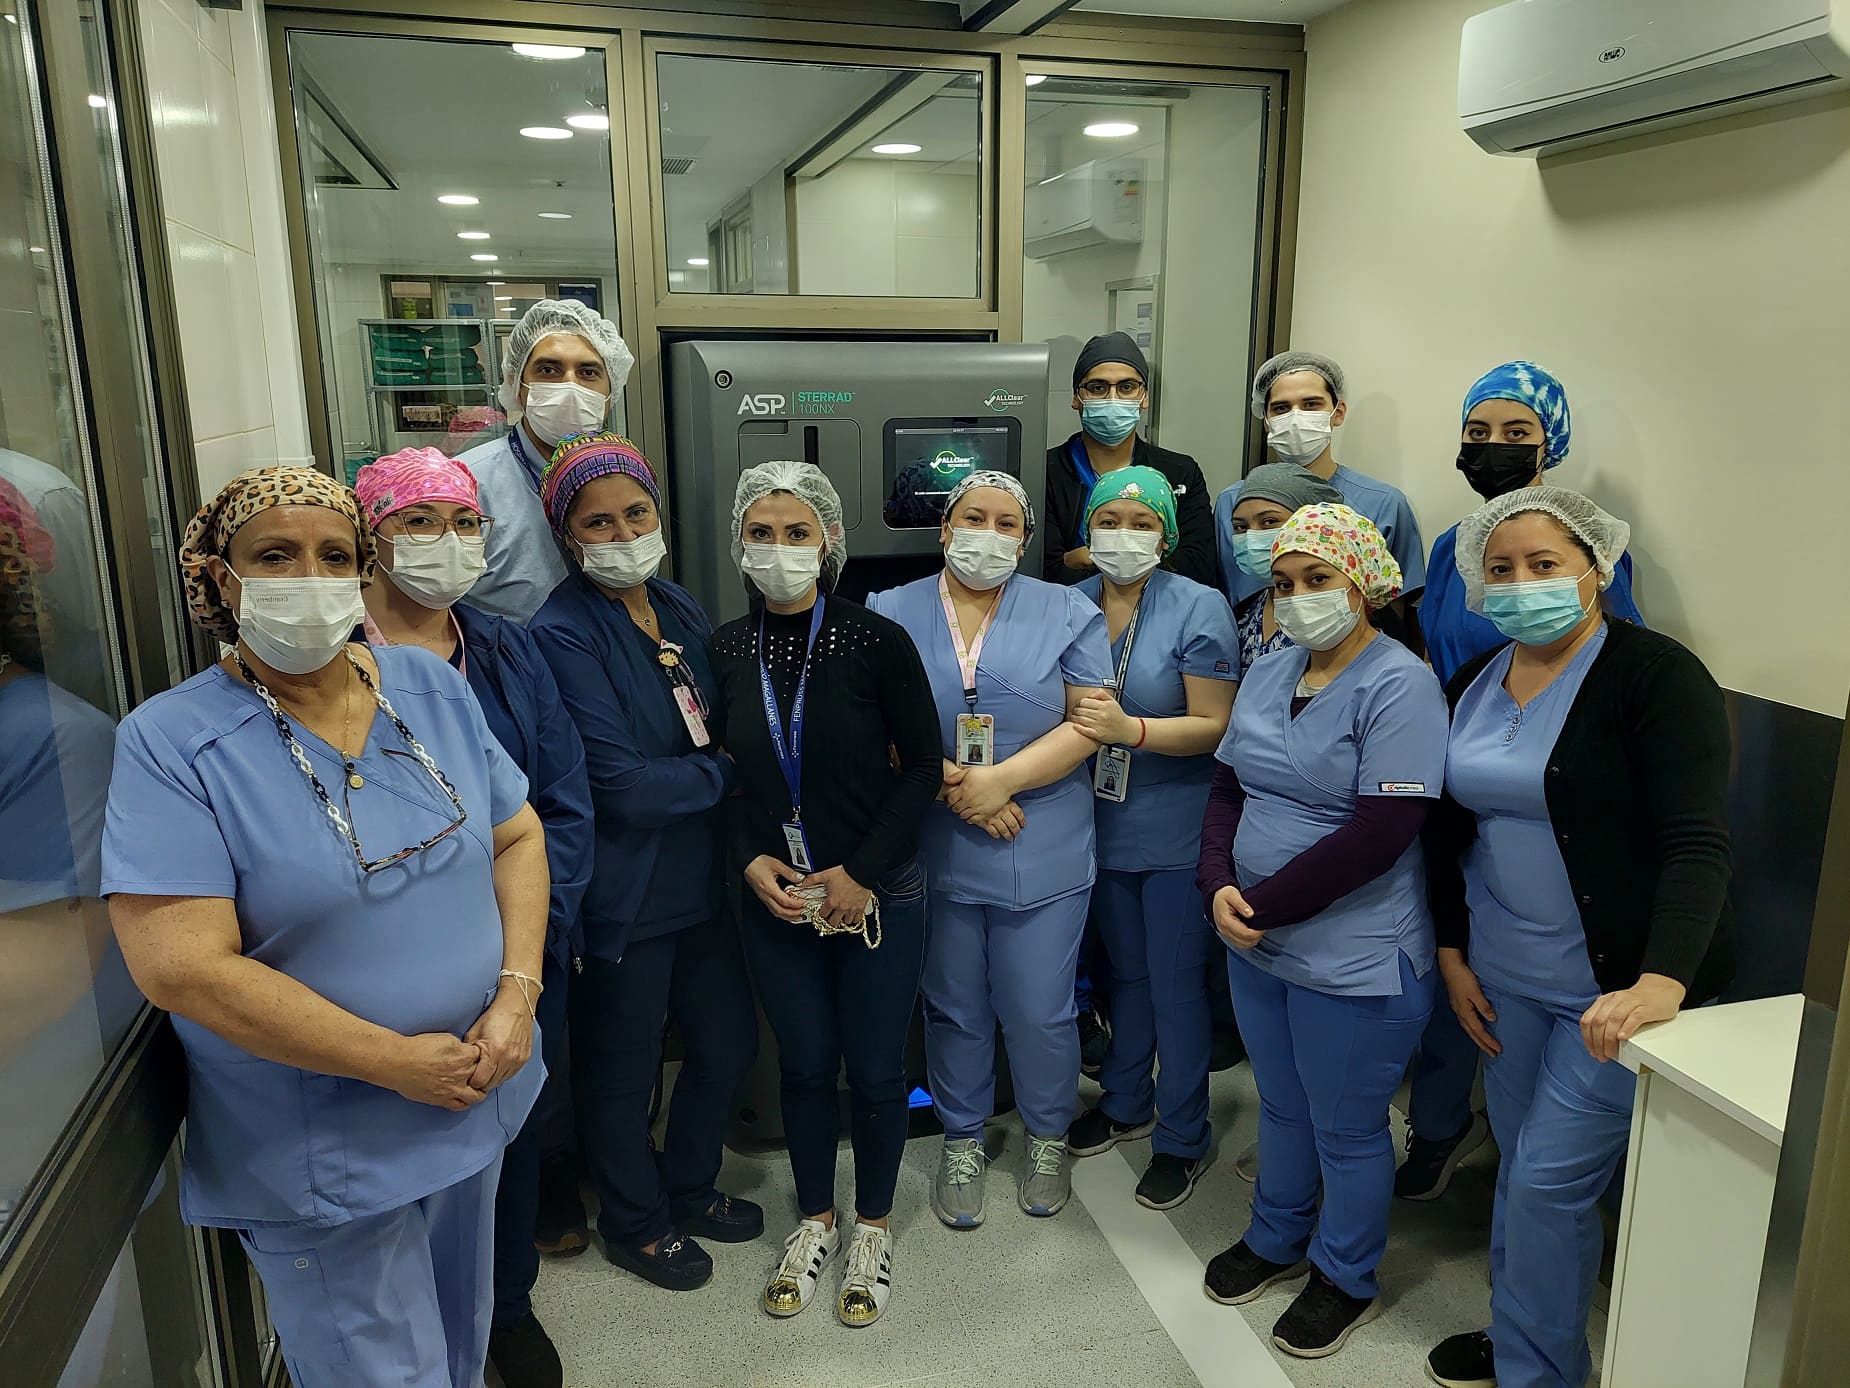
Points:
(966, 657)
(376, 637)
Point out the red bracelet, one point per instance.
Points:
(1143, 731)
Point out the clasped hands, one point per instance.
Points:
(439, 1069)
(846, 902)
(980, 795)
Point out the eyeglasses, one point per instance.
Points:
(1099, 390)
(371, 865)
(424, 528)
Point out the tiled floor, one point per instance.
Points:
(1026, 1302)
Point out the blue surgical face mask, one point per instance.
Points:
(1253, 552)
(1536, 612)
(1109, 421)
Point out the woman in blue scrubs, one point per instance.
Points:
(629, 651)
(319, 859)
(1579, 867)
(426, 514)
(1262, 502)
(1173, 665)
(1009, 854)
(1515, 427)
(1309, 863)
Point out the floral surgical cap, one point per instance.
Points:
(1001, 481)
(1144, 484)
(1348, 542)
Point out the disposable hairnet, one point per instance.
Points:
(1001, 481)
(543, 320)
(806, 482)
(1607, 536)
(1295, 361)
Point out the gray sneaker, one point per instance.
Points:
(957, 1194)
(1046, 1183)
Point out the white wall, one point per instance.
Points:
(1690, 290)
(221, 190)
(881, 226)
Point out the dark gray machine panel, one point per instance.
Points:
(892, 424)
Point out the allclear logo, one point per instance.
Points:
(1001, 400)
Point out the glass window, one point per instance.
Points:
(450, 181)
(1141, 214)
(813, 178)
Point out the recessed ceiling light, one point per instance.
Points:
(457, 199)
(485, 258)
(1103, 130)
(11, 20)
(99, 102)
(33, 250)
(699, 262)
(557, 216)
(558, 132)
(547, 50)
(496, 284)
(1034, 79)
(471, 236)
(591, 120)
(897, 148)
(504, 298)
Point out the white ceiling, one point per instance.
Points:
(1262, 11)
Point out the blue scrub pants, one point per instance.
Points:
(833, 1003)
(986, 964)
(1444, 1071)
(1159, 942)
(619, 1010)
(1563, 1121)
(1327, 1067)
(400, 1298)
(517, 1198)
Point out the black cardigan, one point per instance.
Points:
(1194, 555)
(1638, 796)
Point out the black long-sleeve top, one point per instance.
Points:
(1637, 792)
(1194, 556)
(868, 702)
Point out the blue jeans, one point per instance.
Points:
(833, 1002)
(1159, 941)
(619, 1010)
(1327, 1067)
(517, 1198)
(1563, 1121)
(1444, 1071)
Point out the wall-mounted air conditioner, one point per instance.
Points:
(1539, 76)
(1098, 203)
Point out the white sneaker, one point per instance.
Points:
(867, 1281)
(806, 1253)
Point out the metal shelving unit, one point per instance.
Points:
(390, 407)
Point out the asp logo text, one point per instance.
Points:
(761, 404)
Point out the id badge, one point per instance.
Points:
(976, 739)
(797, 845)
(690, 715)
(1111, 775)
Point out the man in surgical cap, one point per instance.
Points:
(562, 367)
(1299, 397)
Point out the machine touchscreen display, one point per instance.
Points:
(926, 458)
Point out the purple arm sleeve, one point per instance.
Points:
(1226, 798)
(1380, 830)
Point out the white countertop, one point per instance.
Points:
(1737, 1057)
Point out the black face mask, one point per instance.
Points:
(1495, 468)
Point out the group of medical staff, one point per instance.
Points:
(469, 775)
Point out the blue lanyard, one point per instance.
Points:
(1082, 464)
(519, 450)
(789, 756)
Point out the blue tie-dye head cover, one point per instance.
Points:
(1531, 385)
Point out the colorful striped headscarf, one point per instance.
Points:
(1348, 542)
(413, 477)
(1144, 484)
(586, 458)
(30, 538)
(249, 494)
(1534, 386)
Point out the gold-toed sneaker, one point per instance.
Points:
(867, 1281)
(806, 1253)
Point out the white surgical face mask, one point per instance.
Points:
(1124, 556)
(981, 559)
(297, 625)
(1317, 621)
(1299, 437)
(559, 409)
(783, 573)
(435, 573)
(623, 563)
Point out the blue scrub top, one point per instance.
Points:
(1183, 628)
(1045, 636)
(1378, 728)
(207, 803)
(524, 561)
(55, 757)
(1455, 635)
(1526, 935)
(1383, 503)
